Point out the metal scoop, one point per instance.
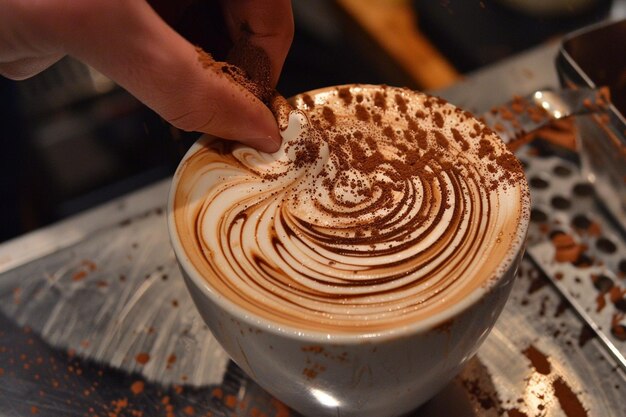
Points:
(523, 115)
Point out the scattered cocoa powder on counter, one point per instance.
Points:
(79, 275)
(618, 330)
(569, 401)
(171, 359)
(567, 249)
(137, 387)
(142, 358)
(538, 360)
(586, 334)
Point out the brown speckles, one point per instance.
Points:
(486, 149)
(345, 95)
(171, 360)
(421, 136)
(385, 162)
(329, 115)
(618, 328)
(566, 248)
(361, 113)
(380, 100)
(388, 132)
(86, 267)
(401, 103)
(137, 387)
(438, 119)
(142, 358)
(308, 100)
(569, 401)
(538, 360)
(313, 370)
(441, 139)
(79, 275)
(460, 139)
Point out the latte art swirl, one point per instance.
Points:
(383, 206)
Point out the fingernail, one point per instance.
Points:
(269, 144)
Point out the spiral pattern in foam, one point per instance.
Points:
(382, 207)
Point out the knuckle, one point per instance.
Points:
(15, 71)
(194, 121)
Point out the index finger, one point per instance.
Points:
(131, 44)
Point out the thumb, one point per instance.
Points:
(131, 44)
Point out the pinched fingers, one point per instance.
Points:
(128, 41)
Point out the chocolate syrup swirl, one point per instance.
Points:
(382, 207)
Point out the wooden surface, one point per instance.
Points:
(392, 25)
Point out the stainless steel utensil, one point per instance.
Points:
(523, 115)
(603, 163)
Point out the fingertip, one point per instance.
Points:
(267, 144)
(261, 129)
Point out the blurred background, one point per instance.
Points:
(71, 139)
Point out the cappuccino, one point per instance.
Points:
(383, 207)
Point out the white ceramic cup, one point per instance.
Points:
(374, 374)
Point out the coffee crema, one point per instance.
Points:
(383, 207)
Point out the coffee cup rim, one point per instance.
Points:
(514, 252)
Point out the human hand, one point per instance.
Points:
(130, 43)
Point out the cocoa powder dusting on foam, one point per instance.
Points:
(361, 113)
(511, 167)
(329, 115)
(380, 100)
(438, 119)
(381, 175)
(401, 102)
(422, 138)
(388, 132)
(486, 149)
(345, 95)
(308, 100)
(460, 139)
(441, 139)
(307, 151)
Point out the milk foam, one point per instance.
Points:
(383, 206)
